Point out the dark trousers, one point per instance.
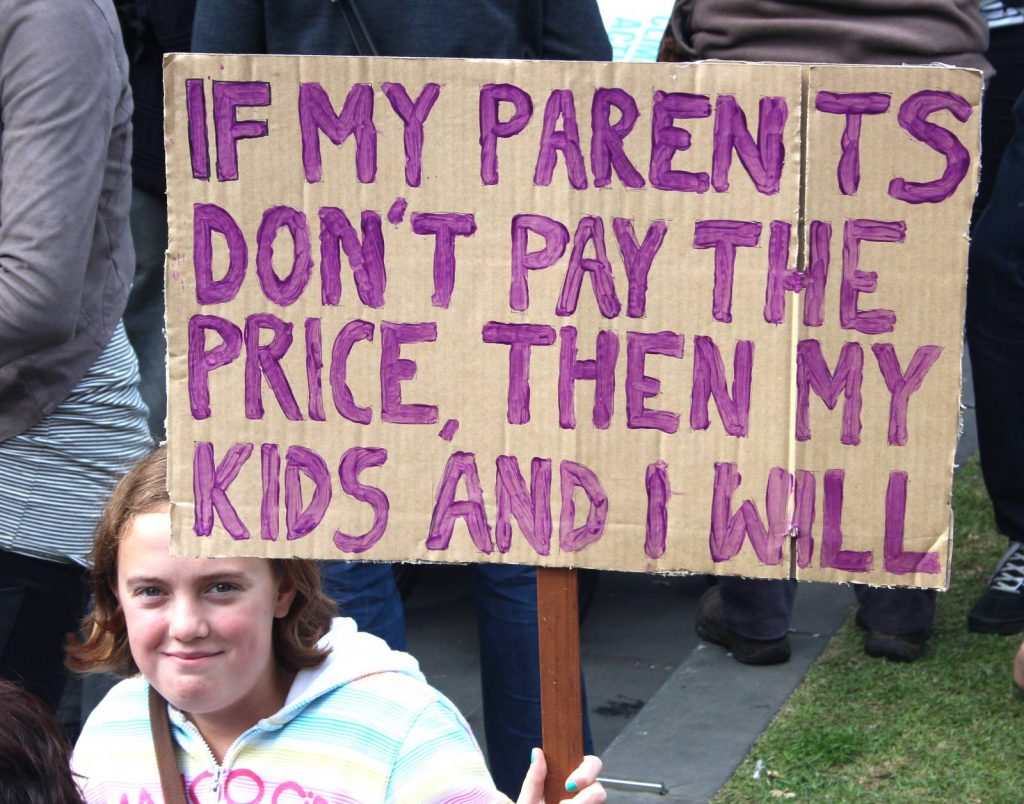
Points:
(758, 609)
(41, 602)
(995, 335)
(1006, 54)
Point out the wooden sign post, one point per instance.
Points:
(561, 701)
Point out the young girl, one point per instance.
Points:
(269, 700)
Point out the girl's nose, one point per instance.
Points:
(187, 620)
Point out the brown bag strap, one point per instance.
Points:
(170, 778)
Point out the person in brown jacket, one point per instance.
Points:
(748, 617)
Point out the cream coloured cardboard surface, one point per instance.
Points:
(418, 481)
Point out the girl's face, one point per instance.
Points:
(199, 628)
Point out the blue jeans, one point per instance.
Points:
(366, 592)
(506, 607)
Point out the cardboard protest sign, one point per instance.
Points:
(649, 317)
(635, 28)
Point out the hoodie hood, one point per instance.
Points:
(353, 655)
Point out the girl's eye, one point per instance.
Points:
(222, 587)
(147, 591)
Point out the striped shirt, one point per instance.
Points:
(56, 476)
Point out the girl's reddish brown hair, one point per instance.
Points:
(144, 490)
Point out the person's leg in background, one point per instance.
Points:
(1006, 54)
(897, 621)
(41, 602)
(749, 617)
(366, 592)
(995, 335)
(506, 610)
(144, 314)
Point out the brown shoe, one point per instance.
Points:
(711, 628)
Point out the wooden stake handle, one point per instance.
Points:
(558, 627)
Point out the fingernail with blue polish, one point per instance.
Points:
(571, 786)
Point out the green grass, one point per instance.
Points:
(949, 727)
